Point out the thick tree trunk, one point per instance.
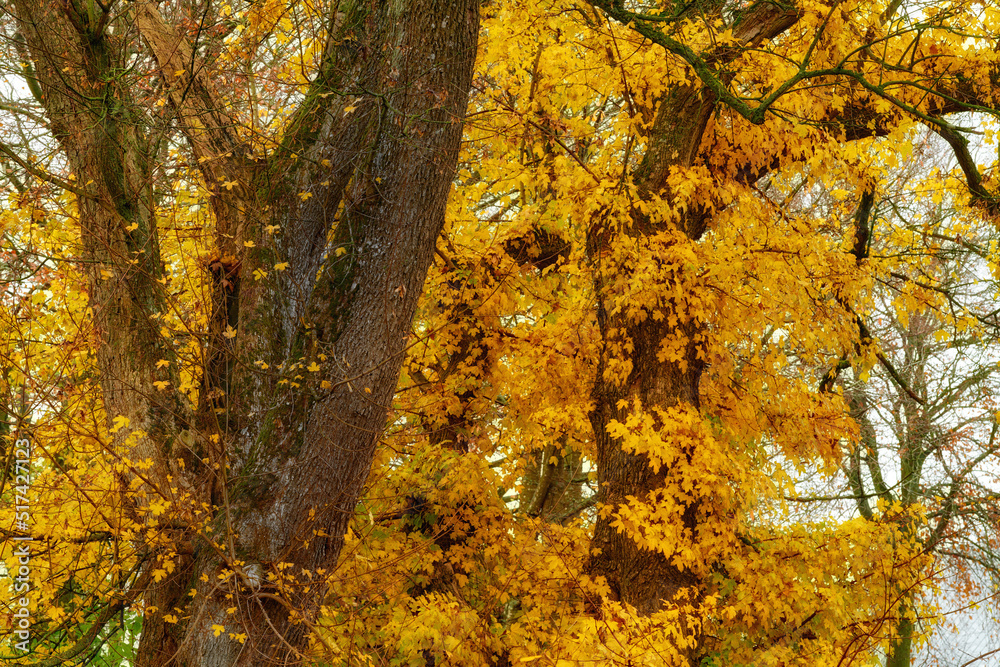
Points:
(375, 144)
(639, 576)
(636, 370)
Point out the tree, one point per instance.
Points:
(773, 286)
(940, 412)
(925, 414)
(264, 470)
(637, 214)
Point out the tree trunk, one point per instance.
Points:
(280, 457)
(651, 360)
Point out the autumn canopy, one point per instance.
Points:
(426, 332)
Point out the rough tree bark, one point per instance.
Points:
(640, 577)
(637, 576)
(375, 144)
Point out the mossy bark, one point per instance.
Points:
(286, 459)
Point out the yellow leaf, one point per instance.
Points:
(218, 630)
(120, 422)
(281, 266)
